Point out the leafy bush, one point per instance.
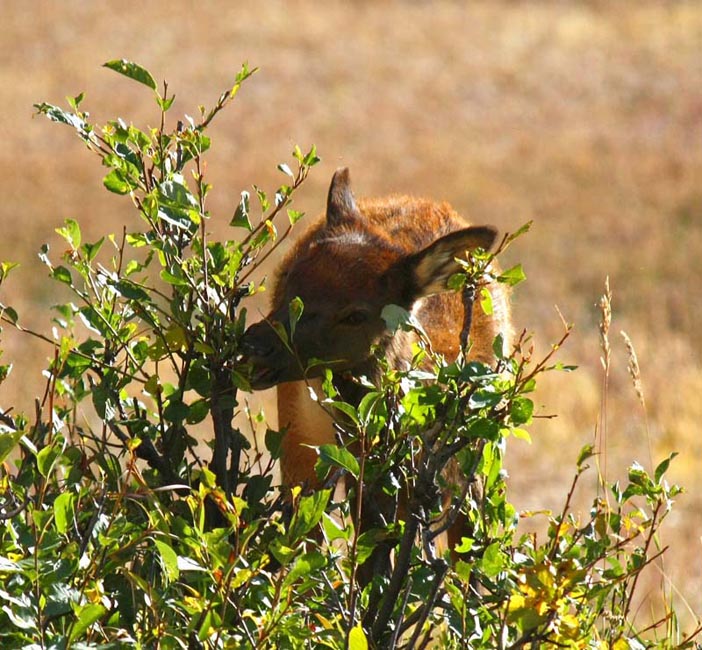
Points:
(115, 532)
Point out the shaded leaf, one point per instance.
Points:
(663, 468)
(241, 215)
(521, 410)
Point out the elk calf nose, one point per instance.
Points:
(258, 341)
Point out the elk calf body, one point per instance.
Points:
(357, 259)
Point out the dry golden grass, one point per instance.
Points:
(585, 117)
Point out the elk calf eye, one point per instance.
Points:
(357, 317)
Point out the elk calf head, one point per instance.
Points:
(345, 270)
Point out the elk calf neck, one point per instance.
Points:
(358, 258)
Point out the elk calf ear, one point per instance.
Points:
(341, 205)
(432, 267)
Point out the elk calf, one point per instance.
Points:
(358, 258)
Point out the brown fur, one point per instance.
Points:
(353, 261)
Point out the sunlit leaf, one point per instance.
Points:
(116, 182)
(64, 508)
(339, 457)
(286, 170)
(513, 276)
(70, 231)
(357, 639)
(133, 71)
(494, 560)
(295, 309)
(86, 616)
(8, 441)
(169, 559)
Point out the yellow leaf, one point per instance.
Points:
(324, 622)
(357, 639)
(516, 602)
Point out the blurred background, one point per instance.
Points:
(585, 117)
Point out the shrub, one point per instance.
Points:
(115, 532)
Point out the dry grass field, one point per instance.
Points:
(583, 117)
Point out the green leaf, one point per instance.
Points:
(513, 276)
(484, 429)
(294, 216)
(498, 346)
(464, 570)
(369, 406)
(311, 158)
(637, 475)
(70, 232)
(74, 102)
(241, 216)
(9, 313)
(305, 565)
(524, 229)
(5, 268)
(494, 560)
(456, 282)
(131, 291)
(397, 317)
(281, 551)
(56, 114)
(663, 468)
(86, 615)
(521, 434)
(484, 398)
(8, 441)
(117, 183)
(62, 274)
(521, 411)
(165, 102)
(347, 409)
(295, 309)
(465, 546)
(64, 510)
(176, 410)
(173, 279)
(177, 194)
(46, 458)
(588, 451)
(333, 529)
(242, 76)
(91, 250)
(309, 512)
(198, 411)
(262, 199)
(169, 559)
(339, 457)
(357, 639)
(486, 301)
(133, 71)
(273, 442)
